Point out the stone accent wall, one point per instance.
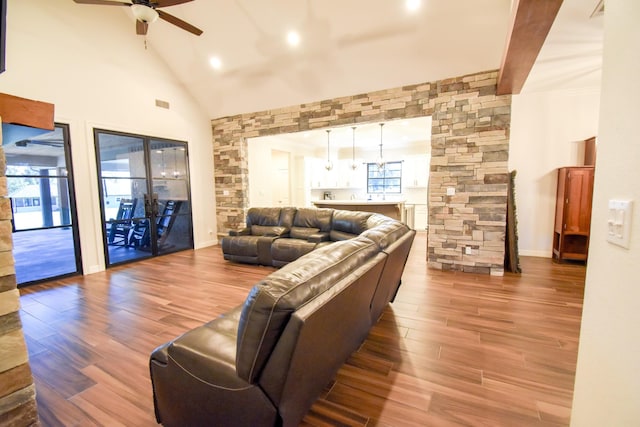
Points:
(469, 153)
(470, 145)
(17, 391)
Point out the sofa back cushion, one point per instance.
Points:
(270, 221)
(348, 224)
(384, 231)
(308, 221)
(271, 302)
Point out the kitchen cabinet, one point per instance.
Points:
(573, 213)
(415, 171)
(341, 176)
(420, 217)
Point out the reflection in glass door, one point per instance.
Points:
(40, 186)
(144, 190)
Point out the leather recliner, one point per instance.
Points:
(252, 244)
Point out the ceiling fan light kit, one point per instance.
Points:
(144, 13)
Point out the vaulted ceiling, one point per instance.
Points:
(355, 46)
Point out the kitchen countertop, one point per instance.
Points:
(357, 202)
(392, 208)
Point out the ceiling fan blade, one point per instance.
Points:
(179, 23)
(141, 28)
(166, 3)
(105, 2)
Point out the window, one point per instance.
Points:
(385, 180)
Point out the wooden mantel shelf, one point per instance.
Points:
(26, 112)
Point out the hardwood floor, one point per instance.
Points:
(454, 349)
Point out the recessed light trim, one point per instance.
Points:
(215, 63)
(293, 38)
(413, 5)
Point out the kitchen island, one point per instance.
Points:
(391, 208)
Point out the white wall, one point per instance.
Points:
(607, 388)
(260, 163)
(88, 61)
(546, 128)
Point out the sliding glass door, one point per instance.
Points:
(40, 184)
(144, 191)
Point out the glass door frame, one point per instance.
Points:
(151, 211)
(73, 209)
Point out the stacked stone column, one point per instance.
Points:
(17, 391)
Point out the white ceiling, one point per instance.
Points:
(347, 47)
(355, 46)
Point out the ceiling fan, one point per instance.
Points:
(147, 12)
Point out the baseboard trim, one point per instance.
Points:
(540, 254)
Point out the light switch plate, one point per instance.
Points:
(451, 191)
(619, 222)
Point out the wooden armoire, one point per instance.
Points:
(573, 213)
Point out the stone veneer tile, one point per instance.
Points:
(15, 379)
(24, 415)
(17, 392)
(9, 302)
(20, 403)
(13, 351)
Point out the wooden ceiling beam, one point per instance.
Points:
(26, 112)
(532, 20)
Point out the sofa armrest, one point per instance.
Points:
(195, 381)
(243, 232)
(318, 237)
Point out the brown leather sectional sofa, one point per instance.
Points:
(265, 362)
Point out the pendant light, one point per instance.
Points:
(380, 160)
(354, 165)
(328, 166)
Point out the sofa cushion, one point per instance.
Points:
(268, 230)
(270, 303)
(313, 218)
(263, 216)
(384, 231)
(302, 232)
(348, 224)
(284, 251)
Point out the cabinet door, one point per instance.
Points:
(578, 195)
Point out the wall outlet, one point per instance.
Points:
(451, 191)
(467, 250)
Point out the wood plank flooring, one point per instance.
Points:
(454, 349)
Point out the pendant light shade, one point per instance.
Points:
(380, 160)
(329, 165)
(354, 164)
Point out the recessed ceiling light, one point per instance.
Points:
(293, 38)
(215, 62)
(412, 5)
